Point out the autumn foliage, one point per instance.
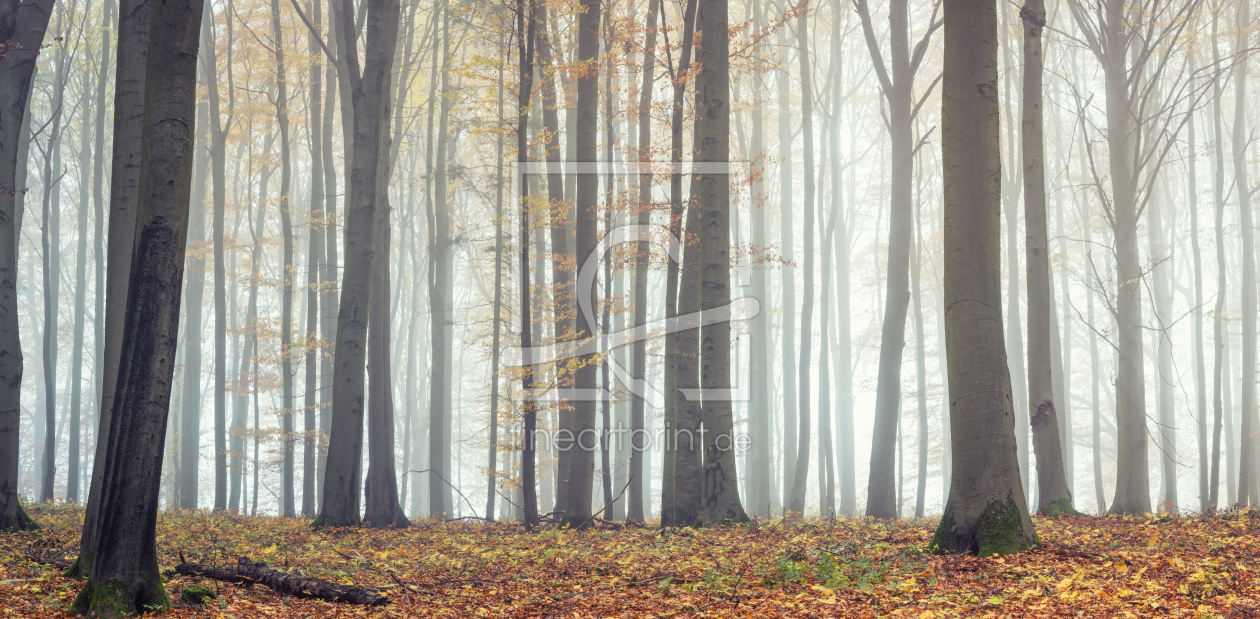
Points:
(1088, 567)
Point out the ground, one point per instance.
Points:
(1088, 567)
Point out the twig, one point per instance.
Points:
(609, 504)
(461, 494)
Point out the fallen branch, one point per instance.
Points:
(250, 573)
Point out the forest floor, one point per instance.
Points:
(1088, 567)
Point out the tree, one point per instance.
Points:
(22, 27)
(370, 89)
(896, 82)
(719, 503)
(1053, 493)
(124, 577)
(796, 501)
(986, 513)
(1142, 122)
(582, 461)
(1247, 450)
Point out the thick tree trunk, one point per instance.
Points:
(720, 502)
(1052, 487)
(22, 24)
(986, 513)
(124, 577)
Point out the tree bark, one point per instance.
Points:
(340, 504)
(796, 501)
(986, 513)
(1247, 449)
(124, 577)
(22, 25)
(1053, 494)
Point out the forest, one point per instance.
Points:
(629, 308)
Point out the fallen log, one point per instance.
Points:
(247, 572)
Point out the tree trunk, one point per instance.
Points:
(22, 24)
(218, 153)
(98, 203)
(287, 481)
(440, 501)
(1052, 487)
(673, 342)
(720, 502)
(133, 28)
(986, 513)
(638, 471)
(340, 504)
(314, 259)
(796, 501)
(898, 90)
(1247, 449)
(581, 461)
(788, 270)
(1219, 327)
(124, 577)
(50, 242)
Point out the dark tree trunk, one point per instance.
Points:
(21, 24)
(124, 577)
(581, 473)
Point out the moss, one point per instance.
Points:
(1059, 508)
(197, 594)
(1000, 530)
(19, 522)
(81, 568)
(940, 539)
(111, 600)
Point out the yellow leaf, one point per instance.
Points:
(927, 614)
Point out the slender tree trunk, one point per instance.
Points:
(673, 343)
(760, 366)
(1052, 487)
(986, 513)
(218, 153)
(920, 357)
(1247, 449)
(98, 203)
(1219, 327)
(440, 502)
(129, 89)
(50, 242)
(80, 299)
(124, 577)
(788, 270)
(581, 461)
(314, 258)
(796, 502)
(340, 504)
(898, 89)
